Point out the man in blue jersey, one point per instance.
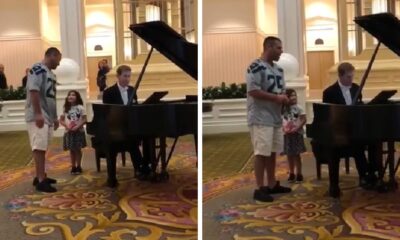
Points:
(265, 97)
(41, 113)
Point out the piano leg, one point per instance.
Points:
(392, 178)
(111, 155)
(333, 165)
(162, 152)
(149, 153)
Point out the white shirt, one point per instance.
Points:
(346, 93)
(124, 93)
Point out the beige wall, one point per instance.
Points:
(19, 18)
(228, 14)
(20, 38)
(321, 22)
(229, 40)
(100, 30)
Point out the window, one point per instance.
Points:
(174, 12)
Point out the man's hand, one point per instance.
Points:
(39, 120)
(56, 125)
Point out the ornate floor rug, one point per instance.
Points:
(229, 212)
(83, 208)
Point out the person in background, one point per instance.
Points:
(294, 119)
(3, 79)
(25, 78)
(101, 74)
(41, 113)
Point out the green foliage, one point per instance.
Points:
(13, 94)
(225, 92)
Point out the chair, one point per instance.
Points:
(100, 154)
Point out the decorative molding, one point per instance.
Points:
(222, 30)
(20, 37)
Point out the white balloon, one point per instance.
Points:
(67, 71)
(290, 66)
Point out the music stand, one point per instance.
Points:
(383, 97)
(155, 97)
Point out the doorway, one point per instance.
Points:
(319, 63)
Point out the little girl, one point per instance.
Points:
(73, 118)
(294, 119)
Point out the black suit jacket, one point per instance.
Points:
(112, 95)
(333, 94)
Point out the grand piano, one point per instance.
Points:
(367, 124)
(156, 121)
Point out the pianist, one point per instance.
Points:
(342, 92)
(121, 93)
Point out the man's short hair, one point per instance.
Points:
(270, 41)
(122, 69)
(52, 51)
(345, 67)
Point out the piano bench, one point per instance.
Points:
(322, 156)
(100, 154)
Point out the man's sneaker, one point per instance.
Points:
(291, 178)
(50, 180)
(260, 195)
(299, 178)
(277, 189)
(73, 171)
(44, 186)
(78, 170)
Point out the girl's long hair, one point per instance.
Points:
(288, 92)
(67, 105)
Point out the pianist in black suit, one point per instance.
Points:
(121, 93)
(342, 92)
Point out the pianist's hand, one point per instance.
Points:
(39, 120)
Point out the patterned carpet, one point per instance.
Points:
(306, 213)
(83, 208)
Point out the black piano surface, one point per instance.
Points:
(152, 121)
(338, 125)
(170, 43)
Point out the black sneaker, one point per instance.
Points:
(260, 195)
(291, 178)
(50, 180)
(78, 170)
(73, 171)
(299, 178)
(278, 189)
(44, 186)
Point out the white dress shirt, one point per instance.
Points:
(346, 93)
(124, 93)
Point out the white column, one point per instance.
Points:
(71, 74)
(291, 29)
(72, 27)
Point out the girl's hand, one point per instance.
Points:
(76, 127)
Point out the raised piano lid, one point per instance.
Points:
(170, 43)
(383, 26)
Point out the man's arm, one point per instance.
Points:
(37, 111)
(262, 95)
